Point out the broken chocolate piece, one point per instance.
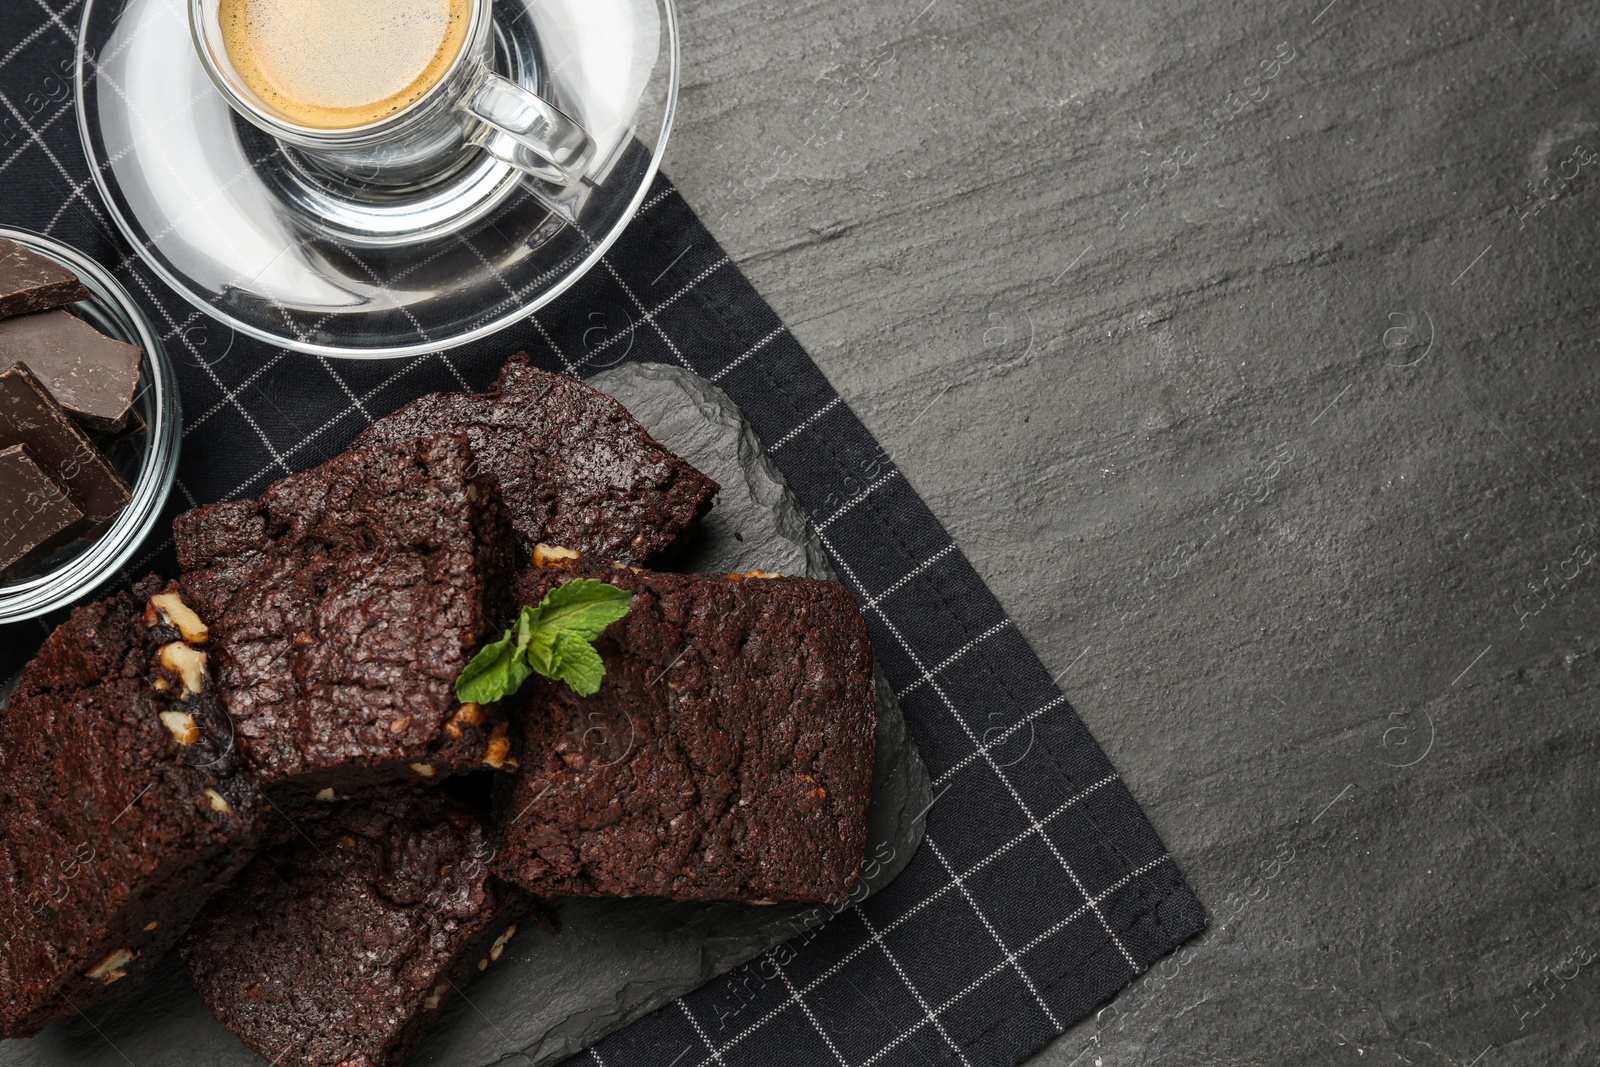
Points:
(31, 282)
(132, 425)
(29, 415)
(91, 375)
(34, 509)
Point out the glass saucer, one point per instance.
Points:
(251, 234)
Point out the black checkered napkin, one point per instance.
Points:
(1041, 889)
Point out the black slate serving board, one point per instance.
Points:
(612, 960)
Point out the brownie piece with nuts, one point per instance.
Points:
(727, 755)
(347, 599)
(577, 470)
(340, 945)
(123, 809)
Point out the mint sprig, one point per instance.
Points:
(554, 639)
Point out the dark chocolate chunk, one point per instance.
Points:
(31, 282)
(340, 945)
(132, 425)
(89, 374)
(727, 756)
(35, 510)
(577, 470)
(122, 810)
(29, 415)
(347, 599)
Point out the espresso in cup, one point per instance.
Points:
(334, 64)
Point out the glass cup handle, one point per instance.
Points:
(540, 138)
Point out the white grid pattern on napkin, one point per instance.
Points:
(235, 404)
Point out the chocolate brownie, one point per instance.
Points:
(576, 468)
(347, 598)
(338, 947)
(123, 809)
(727, 756)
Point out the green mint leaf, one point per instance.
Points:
(493, 673)
(500, 667)
(584, 607)
(553, 639)
(577, 663)
(522, 629)
(515, 676)
(541, 652)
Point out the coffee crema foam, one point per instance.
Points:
(334, 64)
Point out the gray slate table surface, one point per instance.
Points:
(1277, 439)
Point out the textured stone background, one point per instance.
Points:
(1278, 440)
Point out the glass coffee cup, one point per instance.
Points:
(466, 107)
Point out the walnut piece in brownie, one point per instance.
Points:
(727, 756)
(577, 470)
(346, 599)
(339, 946)
(122, 810)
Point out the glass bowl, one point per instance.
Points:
(148, 461)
